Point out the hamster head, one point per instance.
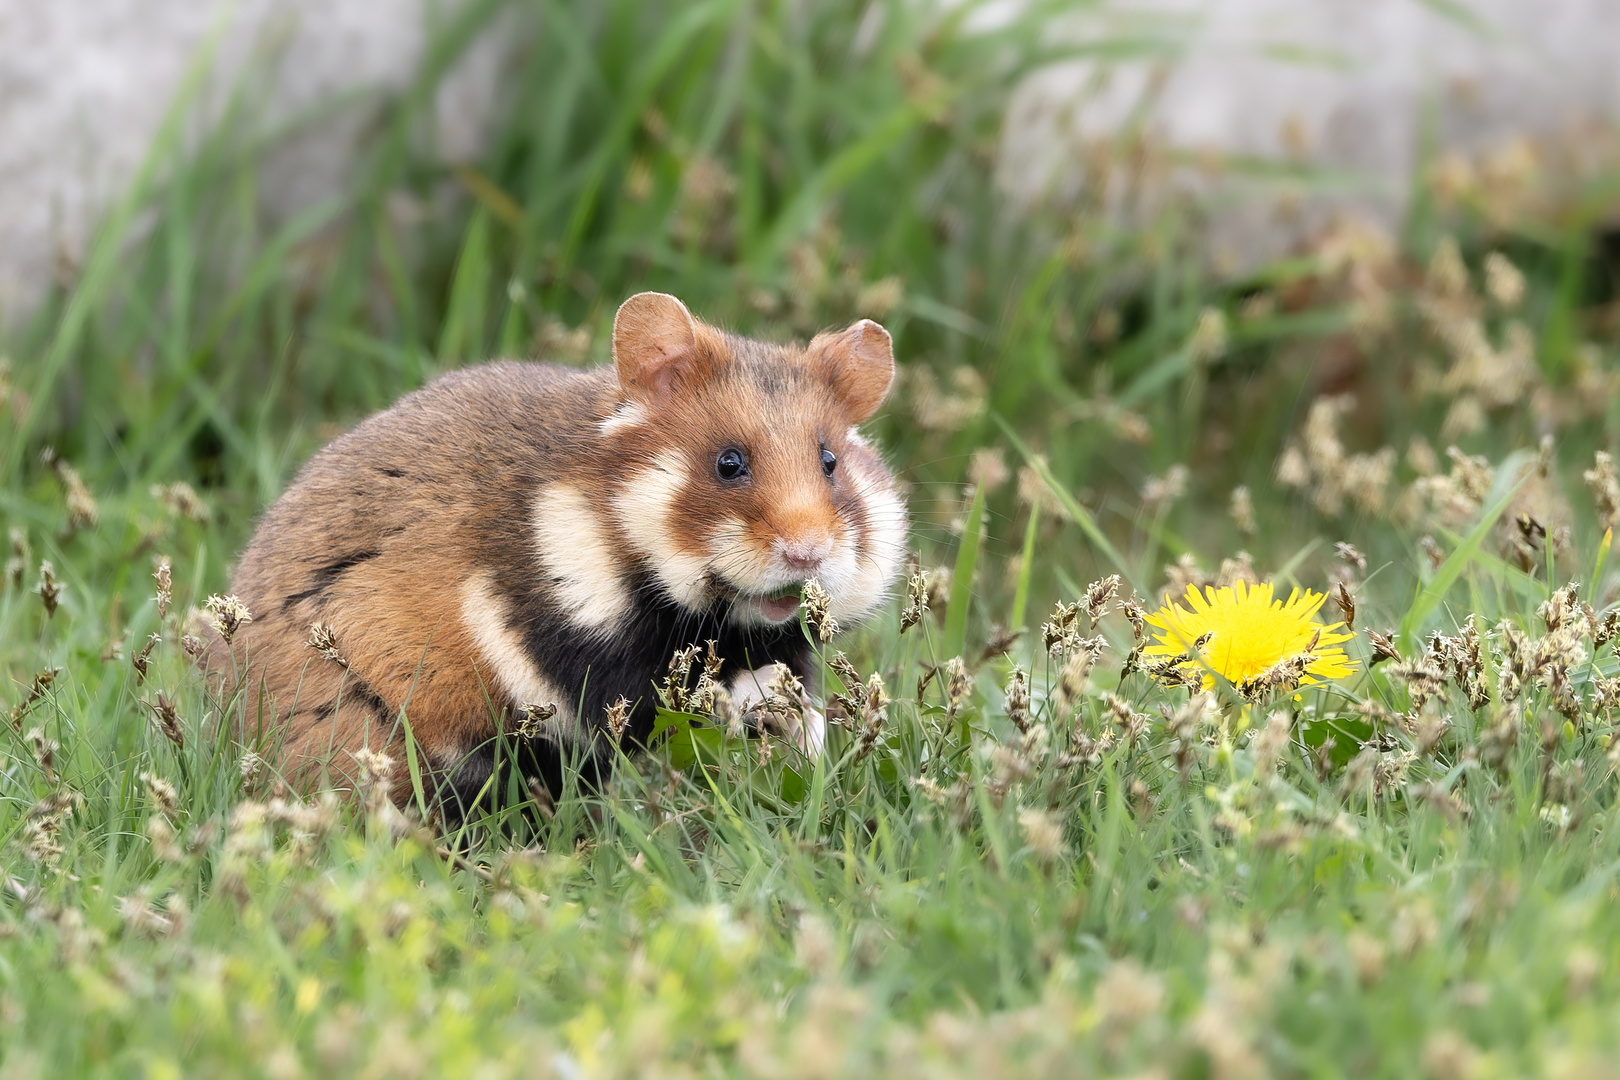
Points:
(737, 472)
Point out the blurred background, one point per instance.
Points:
(1243, 272)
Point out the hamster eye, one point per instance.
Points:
(731, 464)
(829, 461)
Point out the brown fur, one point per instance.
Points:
(383, 529)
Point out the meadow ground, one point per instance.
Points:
(1084, 845)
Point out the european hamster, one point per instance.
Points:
(520, 536)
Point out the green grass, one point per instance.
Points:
(948, 895)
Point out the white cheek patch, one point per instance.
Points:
(627, 415)
(864, 568)
(643, 507)
(502, 656)
(577, 559)
(741, 561)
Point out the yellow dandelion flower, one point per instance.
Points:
(1249, 633)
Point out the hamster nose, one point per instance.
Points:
(803, 554)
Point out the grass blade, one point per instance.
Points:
(1071, 506)
(1025, 564)
(1429, 596)
(967, 559)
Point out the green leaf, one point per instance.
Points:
(690, 738)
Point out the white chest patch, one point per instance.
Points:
(576, 559)
(503, 658)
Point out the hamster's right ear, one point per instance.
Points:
(859, 363)
(654, 346)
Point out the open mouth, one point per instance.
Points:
(780, 605)
(777, 606)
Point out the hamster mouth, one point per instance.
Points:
(780, 605)
(777, 606)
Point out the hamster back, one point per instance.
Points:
(524, 540)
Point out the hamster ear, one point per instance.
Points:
(654, 345)
(858, 362)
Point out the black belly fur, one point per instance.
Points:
(594, 670)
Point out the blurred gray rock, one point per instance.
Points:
(86, 84)
(1351, 97)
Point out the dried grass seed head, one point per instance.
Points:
(17, 564)
(249, 766)
(163, 575)
(49, 589)
(1346, 605)
(938, 410)
(44, 679)
(1605, 486)
(815, 603)
(1504, 282)
(1017, 698)
(376, 770)
(874, 702)
(83, 513)
(43, 825)
(44, 750)
(1033, 490)
(674, 690)
(1239, 567)
(987, 469)
(534, 720)
(1209, 338)
(167, 718)
(1331, 473)
(1242, 507)
(1447, 276)
(1060, 633)
(163, 795)
(916, 600)
(957, 682)
(141, 661)
(165, 842)
(1271, 742)
(617, 719)
(1099, 595)
(228, 615)
(1160, 491)
(182, 500)
(1075, 677)
(323, 639)
(1042, 833)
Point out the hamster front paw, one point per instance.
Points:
(753, 691)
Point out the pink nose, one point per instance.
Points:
(804, 554)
